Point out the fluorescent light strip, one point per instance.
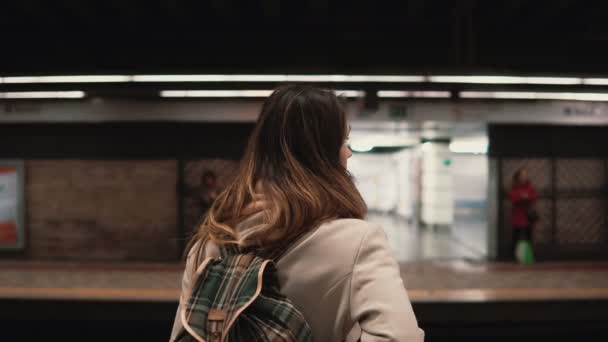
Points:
(423, 94)
(241, 93)
(367, 143)
(215, 93)
(469, 147)
(350, 93)
(68, 79)
(535, 96)
(375, 78)
(480, 79)
(477, 144)
(552, 80)
(505, 80)
(210, 78)
(277, 78)
(43, 95)
(595, 81)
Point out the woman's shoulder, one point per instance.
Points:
(337, 241)
(200, 250)
(352, 224)
(339, 233)
(346, 230)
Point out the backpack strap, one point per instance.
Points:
(273, 253)
(200, 250)
(229, 249)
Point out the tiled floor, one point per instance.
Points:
(466, 239)
(441, 265)
(425, 280)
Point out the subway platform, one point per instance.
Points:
(472, 299)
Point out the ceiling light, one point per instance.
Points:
(67, 79)
(242, 93)
(427, 146)
(350, 93)
(505, 80)
(215, 93)
(535, 96)
(423, 94)
(366, 142)
(497, 95)
(43, 95)
(277, 78)
(552, 80)
(595, 81)
(477, 145)
(209, 78)
(362, 146)
(380, 78)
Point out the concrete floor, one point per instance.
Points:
(466, 239)
(436, 265)
(463, 280)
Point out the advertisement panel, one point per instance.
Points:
(12, 234)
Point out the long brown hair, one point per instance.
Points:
(293, 159)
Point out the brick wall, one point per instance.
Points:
(102, 210)
(225, 171)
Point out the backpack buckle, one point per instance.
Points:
(217, 315)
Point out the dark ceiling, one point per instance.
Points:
(316, 36)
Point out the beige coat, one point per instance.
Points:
(345, 281)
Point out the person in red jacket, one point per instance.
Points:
(523, 196)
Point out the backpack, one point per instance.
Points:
(237, 297)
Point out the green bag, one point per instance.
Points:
(524, 253)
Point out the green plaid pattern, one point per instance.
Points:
(244, 290)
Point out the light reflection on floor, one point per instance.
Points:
(465, 240)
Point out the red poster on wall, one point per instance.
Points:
(10, 197)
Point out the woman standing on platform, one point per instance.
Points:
(523, 215)
(293, 185)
